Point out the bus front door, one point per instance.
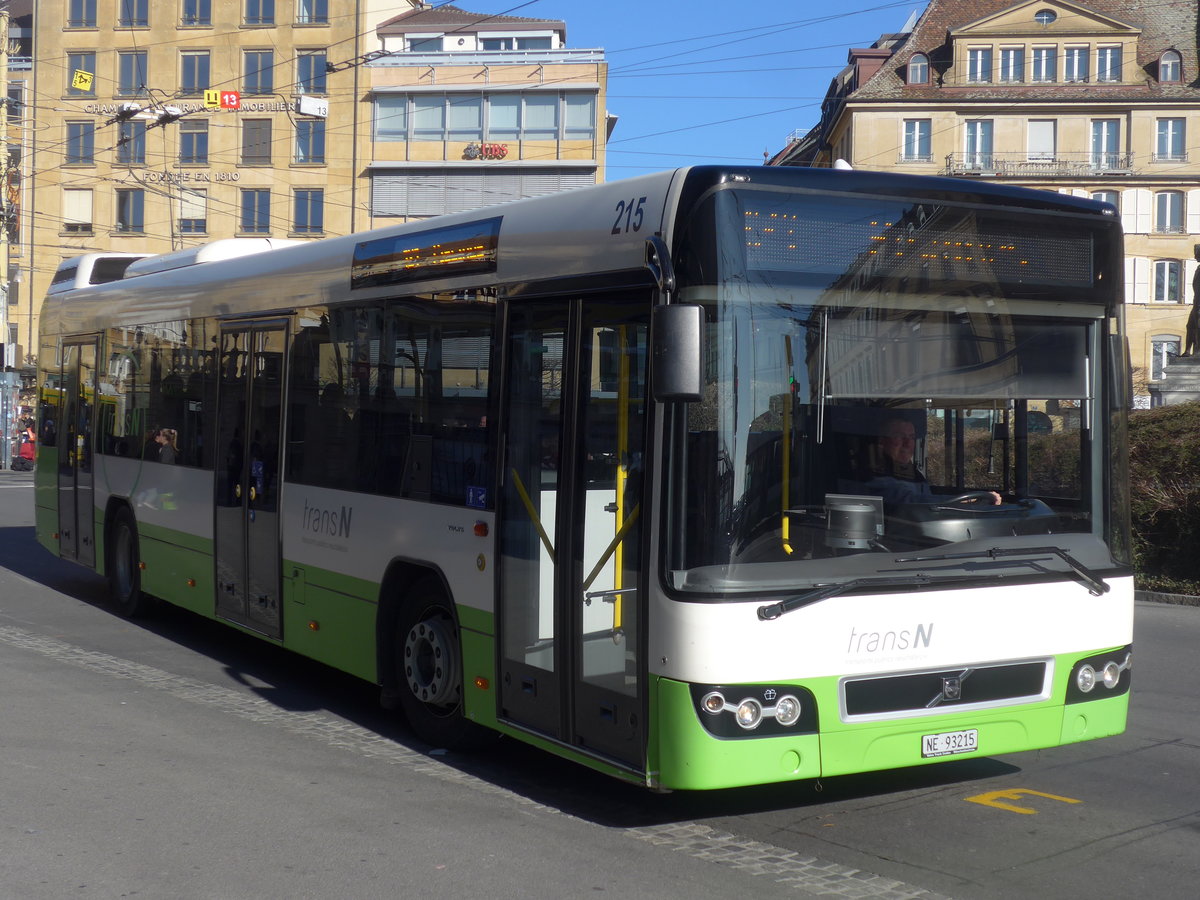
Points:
(570, 610)
(76, 516)
(246, 530)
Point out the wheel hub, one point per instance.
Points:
(431, 662)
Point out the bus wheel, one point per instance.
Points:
(124, 575)
(429, 669)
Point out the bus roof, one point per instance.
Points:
(584, 240)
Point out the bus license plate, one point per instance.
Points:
(950, 742)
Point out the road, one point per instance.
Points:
(176, 758)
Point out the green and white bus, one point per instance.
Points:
(613, 471)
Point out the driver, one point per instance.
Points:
(900, 481)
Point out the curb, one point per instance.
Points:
(1171, 599)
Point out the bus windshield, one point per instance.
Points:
(883, 378)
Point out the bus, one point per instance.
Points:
(91, 268)
(715, 477)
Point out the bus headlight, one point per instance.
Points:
(749, 713)
(1111, 675)
(1085, 678)
(787, 710)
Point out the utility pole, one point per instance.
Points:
(9, 382)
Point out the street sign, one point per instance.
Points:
(222, 100)
(312, 106)
(81, 80)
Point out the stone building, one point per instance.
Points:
(1098, 99)
(155, 125)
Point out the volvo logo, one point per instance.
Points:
(951, 688)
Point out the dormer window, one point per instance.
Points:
(1170, 67)
(1045, 17)
(1108, 64)
(918, 69)
(425, 45)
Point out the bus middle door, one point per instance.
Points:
(569, 605)
(249, 432)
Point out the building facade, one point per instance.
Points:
(1096, 99)
(162, 124)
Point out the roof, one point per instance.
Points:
(451, 18)
(1164, 25)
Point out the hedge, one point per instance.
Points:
(1164, 469)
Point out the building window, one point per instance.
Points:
(131, 211)
(1108, 64)
(193, 211)
(16, 102)
(540, 114)
(310, 72)
(917, 135)
(515, 43)
(1112, 197)
(131, 73)
(77, 210)
(312, 12)
(1170, 67)
(1043, 139)
(579, 117)
(256, 211)
(1170, 144)
(310, 141)
(193, 142)
(131, 143)
(498, 117)
(194, 75)
(425, 45)
(1045, 64)
(258, 70)
(391, 118)
(1106, 143)
(1167, 281)
(1168, 212)
(84, 61)
(1075, 63)
(979, 144)
(81, 143)
(1164, 348)
(1012, 64)
(309, 212)
(133, 13)
(918, 69)
(1045, 17)
(256, 142)
(196, 12)
(464, 119)
(260, 12)
(81, 14)
(979, 64)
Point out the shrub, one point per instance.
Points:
(1164, 468)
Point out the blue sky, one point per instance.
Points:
(695, 81)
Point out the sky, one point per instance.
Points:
(696, 81)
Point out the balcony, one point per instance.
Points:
(1025, 165)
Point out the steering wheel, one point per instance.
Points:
(972, 497)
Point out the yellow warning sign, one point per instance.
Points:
(212, 99)
(81, 80)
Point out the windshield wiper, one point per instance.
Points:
(1093, 582)
(775, 610)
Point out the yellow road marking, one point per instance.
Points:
(996, 798)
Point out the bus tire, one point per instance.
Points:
(123, 568)
(429, 669)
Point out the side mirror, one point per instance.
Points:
(677, 362)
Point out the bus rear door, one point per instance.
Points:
(76, 479)
(249, 422)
